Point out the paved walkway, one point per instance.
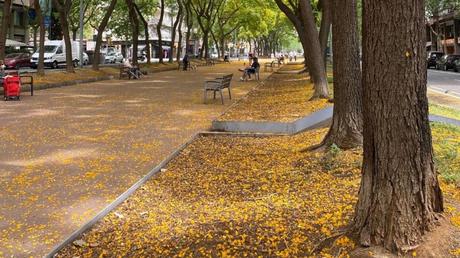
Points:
(68, 152)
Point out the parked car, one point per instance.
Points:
(55, 53)
(433, 57)
(446, 62)
(113, 57)
(17, 60)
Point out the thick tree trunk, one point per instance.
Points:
(400, 195)
(6, 19)
(146, 32)
(100, 31)
(63, 9)
(325, 26)
(206, 45)
(347, 121)
(159, 25)
(303, 21)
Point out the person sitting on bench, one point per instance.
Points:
(185, 62)
(250, 70)
(2, 72)
(134, 70)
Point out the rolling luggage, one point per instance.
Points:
(11, 87)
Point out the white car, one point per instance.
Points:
(113, 57)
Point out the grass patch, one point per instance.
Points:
(446, 144)
(444, 111)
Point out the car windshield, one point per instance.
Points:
(12, 55)
(50, 49)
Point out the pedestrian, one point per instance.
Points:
(2, 72)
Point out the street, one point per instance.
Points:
(448, 82)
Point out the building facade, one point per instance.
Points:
(19, 25)
(443, 33)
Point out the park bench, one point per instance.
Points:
(217, 85)
(129, 73)
(190, 66)
(210, 62)
(270, 65)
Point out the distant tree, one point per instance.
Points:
(300, 13)
(400, 198)
(63, 7)
(146, 32)
(134, 19)
(100, 30)
(41, 47)
(159, 25)
(89, 13)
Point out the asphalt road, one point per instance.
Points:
(448, 82)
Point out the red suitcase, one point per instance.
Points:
(11, 87)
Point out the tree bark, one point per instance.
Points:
(100, 31)
(347, 121)
(6, 19)
(325, 26)
(63, 9)
(41, 47)
(146, 32)
(159, 25)
(400, 197)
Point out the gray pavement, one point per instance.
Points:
(447, 82)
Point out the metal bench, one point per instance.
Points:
(190, 66)
(270, 65)
(129, 73)
(217, 85)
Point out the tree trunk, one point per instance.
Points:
(135, 29)
(325, 26)
(400, 197)
(206, 45)
(146, 32)
(100, 31)
(63, 9)
(179, 45)
(6, 19)
(347, 121)
(303, 21)
(74, 34)
(41, 52)
(159, 25)
(173, 34)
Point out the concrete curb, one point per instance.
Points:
(444, 92)
(120, 199)
(305, 123)
(173, 155)
(446, 120)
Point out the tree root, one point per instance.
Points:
(328, 242)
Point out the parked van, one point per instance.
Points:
(55, 54)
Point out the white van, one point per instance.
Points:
(55, 53)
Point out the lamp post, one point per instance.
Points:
(81, 33)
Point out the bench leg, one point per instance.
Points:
(205, 96)
(229, 93)
(221, 96)
(214, 94)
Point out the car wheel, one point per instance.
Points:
(55, 65)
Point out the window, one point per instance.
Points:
(18, 18)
